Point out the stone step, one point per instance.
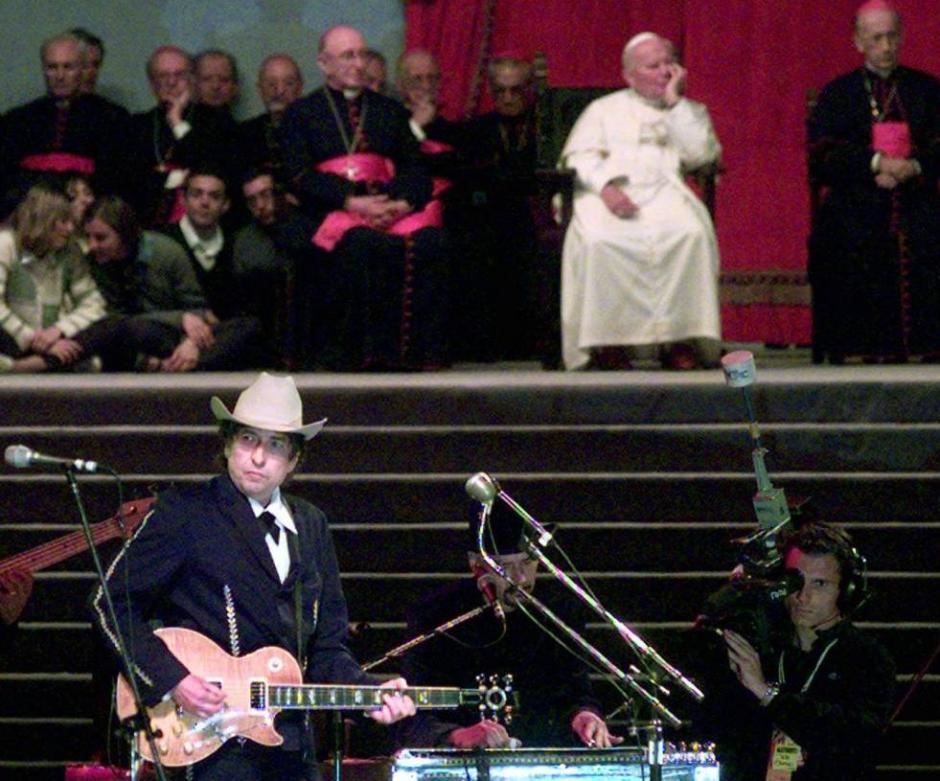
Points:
(820, 394)
(604, 546)
(669, 448)
(551, 497)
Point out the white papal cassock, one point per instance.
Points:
(652, 278)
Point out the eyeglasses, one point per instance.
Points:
(520, 90)
(276, 445)
(170, 77)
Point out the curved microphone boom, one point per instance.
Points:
(485, 490)
(22, 457)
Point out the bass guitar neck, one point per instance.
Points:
(121, 524)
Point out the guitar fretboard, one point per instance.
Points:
(59, 549)
(314, 696)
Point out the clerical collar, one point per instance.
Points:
(352, 94)
(879, 72)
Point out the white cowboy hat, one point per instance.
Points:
(270, 403)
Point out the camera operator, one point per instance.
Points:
(812, 706)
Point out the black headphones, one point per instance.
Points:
(820, 537)
(853, 585)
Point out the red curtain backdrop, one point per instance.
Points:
(750, 61)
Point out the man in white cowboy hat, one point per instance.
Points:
(237, 560)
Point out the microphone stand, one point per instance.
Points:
(570, 632)
(643, 649)
(598, 656)
(140, 720)
(653, 731)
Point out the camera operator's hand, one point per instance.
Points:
(745, 663)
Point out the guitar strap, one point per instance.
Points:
(307, 750)
(298, 603)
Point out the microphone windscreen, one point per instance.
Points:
(482, 488)
(17, 455)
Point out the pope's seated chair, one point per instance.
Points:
(556, 111)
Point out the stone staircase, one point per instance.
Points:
(647, 474)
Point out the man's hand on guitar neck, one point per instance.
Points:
(197, 696)
(397, 706)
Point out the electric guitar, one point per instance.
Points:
(257, 687)
(121, 524)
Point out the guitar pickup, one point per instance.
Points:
(258, 695)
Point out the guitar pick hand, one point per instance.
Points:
(197, 696)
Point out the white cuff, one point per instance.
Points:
(181, 128)
(417, 130)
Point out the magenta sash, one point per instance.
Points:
(369, 167)
(431, 147)
(179, 206)
(59, 162)
(361, 167)
(892, 139)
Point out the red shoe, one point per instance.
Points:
(610, 359)
(681, 357)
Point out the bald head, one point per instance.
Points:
(878, 36)
(170, 70)
(875, 6)
(63, 60)
(418, 76)
(341, 57)
(280, 82)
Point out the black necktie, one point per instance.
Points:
(269, 522)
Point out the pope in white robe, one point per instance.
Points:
(640, 260)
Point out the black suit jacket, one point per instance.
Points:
(152, 147)
(309, 135)
(200, 561)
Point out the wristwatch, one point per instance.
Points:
(772, 690)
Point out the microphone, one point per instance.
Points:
(482, 488)
(485, 584)
(22, 457)
(770, 503)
